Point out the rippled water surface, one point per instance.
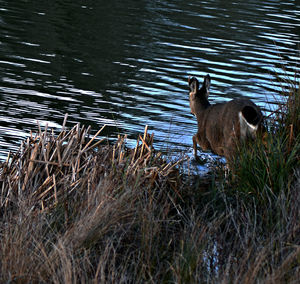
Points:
(126, 63)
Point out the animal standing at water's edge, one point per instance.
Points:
(222, 126)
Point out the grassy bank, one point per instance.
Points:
(75, 209)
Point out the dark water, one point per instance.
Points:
(126, 63)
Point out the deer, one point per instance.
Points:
(222, 126)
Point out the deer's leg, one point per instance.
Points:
(195, 145)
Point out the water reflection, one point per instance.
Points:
(125, 63)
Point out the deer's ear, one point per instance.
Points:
(193, 85)
(205, 87)
(206, 84)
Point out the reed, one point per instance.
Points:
(48, 168)
(66, 197)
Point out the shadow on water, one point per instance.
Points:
(126, 63)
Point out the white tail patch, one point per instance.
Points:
(247, 130)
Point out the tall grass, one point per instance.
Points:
(266, 168)
(265, 190)
(75, 209)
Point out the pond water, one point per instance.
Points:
(125, 63)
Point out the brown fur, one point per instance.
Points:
(219, 124)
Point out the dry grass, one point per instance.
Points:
(49, 168)
(67, 197)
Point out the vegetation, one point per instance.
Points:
(75, 209)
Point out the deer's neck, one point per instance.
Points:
(200, 105)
